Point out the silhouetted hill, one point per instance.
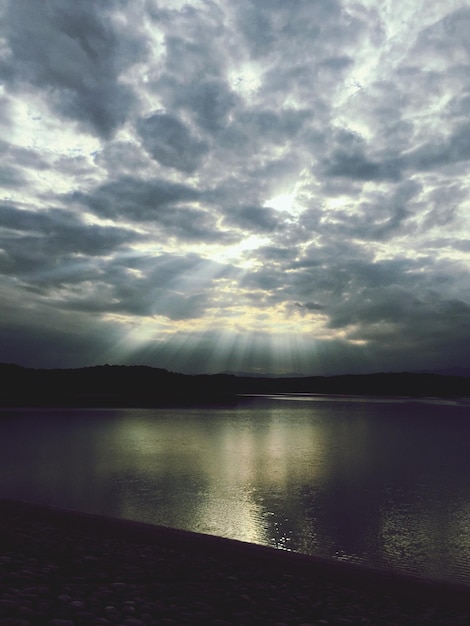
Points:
(146, 386)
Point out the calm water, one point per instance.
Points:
(385, 483)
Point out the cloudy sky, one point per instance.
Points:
(252, 185)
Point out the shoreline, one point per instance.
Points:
(80, 556)
(141, 386)
(189, 400)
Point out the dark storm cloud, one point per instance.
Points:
(252, 218)
(272, 126)
(403, 321)
(189, 224)
(389, 305)
(122, 158)
(52, 248)
(266, 24)
(38, 335)
(74, 54)
(348, 159)
(394, 299)
(209, 101)
(379, 218)
(197, 40)
(135, 199)
(158, 203)
(377, 305)
(170, 142)
(61, 231)
(28, 262)
(342, 269)
(58, 257)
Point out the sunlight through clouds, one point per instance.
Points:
(246, 79)
(247, 186)
(284, 203)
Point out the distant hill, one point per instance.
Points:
(453, 371)
(131, 386)
(240, 374)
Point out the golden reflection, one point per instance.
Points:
(222, 474)
(382, 483)
(253, 461)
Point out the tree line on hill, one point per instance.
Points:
(129, 386)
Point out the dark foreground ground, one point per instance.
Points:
(63, 569)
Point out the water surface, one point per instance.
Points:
(380, 482)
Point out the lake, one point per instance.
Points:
(381, 482)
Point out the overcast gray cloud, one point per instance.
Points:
(75, 53)
(259, 185)
(170, 142)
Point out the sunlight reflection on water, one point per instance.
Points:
(384, 483)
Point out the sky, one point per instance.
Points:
(269, 186)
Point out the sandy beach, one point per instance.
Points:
(67, 569)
